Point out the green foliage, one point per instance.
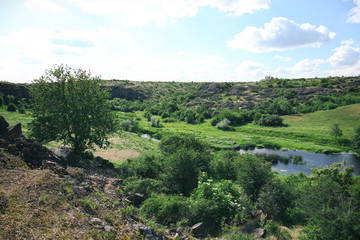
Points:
(146, 166)
(224, 167)
(11, 107)
(214, 202)
(356, 138)
(181, 171)
(336, 131)
(269, 120)
(223, 124)
(253, 174)
(330, 203)
(2, 102)
(69, 105)
(155, 122)
(166, 209)
(275, 198)
(144, 186)
(126, 125)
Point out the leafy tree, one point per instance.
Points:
(356, 137)
(69, 105)
(253, 174)
(336, 131)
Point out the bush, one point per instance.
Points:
(155, 122)
(269, 120)
(11, 107)
(213, 202)
(144, 186)
(223, 124)
(126, 125)
(21, 109)
(165, 209)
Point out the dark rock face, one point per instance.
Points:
(135, 199)
(3, 125)
(31, 151)
(127, 93)
(14, 132)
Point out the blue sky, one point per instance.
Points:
(181, 40)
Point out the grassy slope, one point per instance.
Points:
(123, 144)
(307, 131)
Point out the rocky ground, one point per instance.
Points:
(56, 194)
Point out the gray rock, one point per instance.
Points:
(68, 155)
(258, 233)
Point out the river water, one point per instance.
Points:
(315, 159)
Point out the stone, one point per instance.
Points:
(14, 132)
(68, 155)
(3, 125)
(134, 198)
(198, 229)
(54, 167)
(258, 233)
(108, 228)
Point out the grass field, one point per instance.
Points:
(123, 144)
(309, 132)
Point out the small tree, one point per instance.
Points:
(224, 124)
(69, 105)
(356, 137)
(336, 131)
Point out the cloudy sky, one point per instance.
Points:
(181, 40)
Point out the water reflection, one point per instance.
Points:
(316, 159)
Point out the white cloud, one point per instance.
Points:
(280, 34)
(249, 71)
(141, 12)
(304, 69)
(282, 58)
(31, 49)
(45, 5)
(236, 7)
(345, 55)
(354, 14)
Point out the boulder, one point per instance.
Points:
(3, 125)
(14, 132)
(54, 167)
(135, 199)
(68, 155)
(198, 229)
(258, 233)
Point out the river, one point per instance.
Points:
(315, 159)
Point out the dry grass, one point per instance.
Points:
(43, 205)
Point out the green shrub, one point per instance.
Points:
(11, 107)
(145, 186)
(269, 120)
(126, 125)
(213, 202)
(166, 209)
(223, 124)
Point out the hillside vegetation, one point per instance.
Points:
(191, 184)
